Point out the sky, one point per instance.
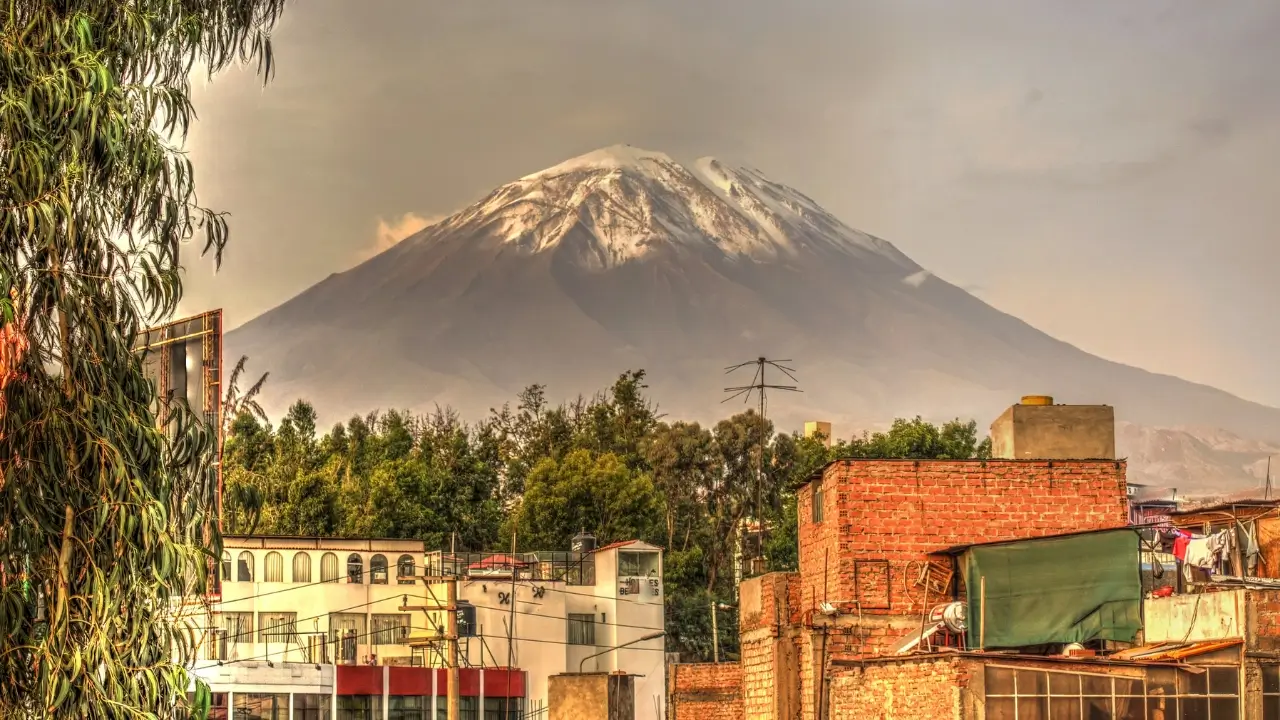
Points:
(1105, 171)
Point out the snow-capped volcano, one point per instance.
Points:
(635, 202)
(624, 259)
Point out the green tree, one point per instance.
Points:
(920, 440)
(99, 508)
(586, 491)
(683, 460)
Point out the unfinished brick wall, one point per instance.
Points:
(706, 691)
(768, 623)
(882, 519)
(904, 690)
(1262, 609)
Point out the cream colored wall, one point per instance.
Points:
(541, 623)
(309, 600)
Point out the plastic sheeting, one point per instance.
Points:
(1054, 590)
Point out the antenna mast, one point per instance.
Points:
(760, 388)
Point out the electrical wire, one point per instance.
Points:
(371, 633)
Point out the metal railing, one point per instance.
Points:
(568, 567)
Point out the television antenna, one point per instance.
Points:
(760, 388)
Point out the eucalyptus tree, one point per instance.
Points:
(103, 515)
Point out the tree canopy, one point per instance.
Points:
(609, 465)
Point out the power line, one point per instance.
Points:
(269, 655)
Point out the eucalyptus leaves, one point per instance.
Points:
(103, 516)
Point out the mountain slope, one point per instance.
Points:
(623, 258)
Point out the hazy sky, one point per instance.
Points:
(1108, 171)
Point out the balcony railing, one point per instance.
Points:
(568, 567)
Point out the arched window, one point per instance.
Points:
(226, 567)
(404, 570)
(355, 569)
(328, 568)
(244, 567)
(378, 569)
(301, 568)
(273, 568)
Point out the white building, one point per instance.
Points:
(313, 628)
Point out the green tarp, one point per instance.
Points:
(1054, 590)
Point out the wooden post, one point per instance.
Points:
(982, 613)
(451, 633)
(715, 634)
(450, 630)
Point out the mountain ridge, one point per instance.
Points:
(623, 258)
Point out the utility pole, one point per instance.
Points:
(511, 622)
(450, 609)
(715, 633)
(760, 387)
(1267, 496)
(451, 637)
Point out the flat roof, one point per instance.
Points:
(958, 549)
(818, 473)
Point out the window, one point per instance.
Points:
(346, 630)
(1271, 692)
(301, 567)
(328, 568)
(817, 502)
(244, 567)
(310, 706)
(390, 629)
(226, 567)
(404, 570)
(257, 706)
(273, 568)
(359, 707)
(218, 706)
(215, 645)
(467, 707)
(637, 564)
(407, 707)
(355, 569)
(503, 708)
(277, 627)
(466, 619)
(1014, 694)
(378, 569)
(582, 629)
(238, 627)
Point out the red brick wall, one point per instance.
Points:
(907, 690)
(882, 519)
(1263, 611)
(767, 626)
(706, 691)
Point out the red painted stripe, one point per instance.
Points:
(358, 679)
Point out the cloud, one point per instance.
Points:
(389, 234)
(916, 279)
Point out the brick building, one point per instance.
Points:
(886, 545)
(871, 537)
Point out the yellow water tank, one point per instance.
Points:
(1037, 400)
